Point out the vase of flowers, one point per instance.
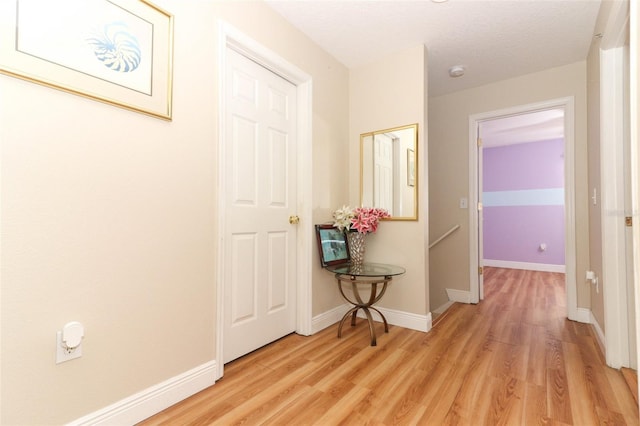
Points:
(357, 223)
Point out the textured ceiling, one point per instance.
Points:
(492, 39)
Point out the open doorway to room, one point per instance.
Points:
(556, 117)
(523, 191)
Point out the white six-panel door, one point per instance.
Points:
(383, 175)
(260, 196)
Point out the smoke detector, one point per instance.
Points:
(456, 71)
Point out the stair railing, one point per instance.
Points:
(445, 235)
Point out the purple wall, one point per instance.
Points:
(523, 202)
(536, 165)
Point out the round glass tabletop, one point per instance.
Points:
(367, 270)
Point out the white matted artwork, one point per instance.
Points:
(115, 51)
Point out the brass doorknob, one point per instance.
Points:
(294, 219)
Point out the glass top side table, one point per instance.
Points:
(372, 274)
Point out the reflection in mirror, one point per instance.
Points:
(389, 171)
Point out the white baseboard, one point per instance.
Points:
(403, 319)
(544, 267)
(599, 332)
(326, 319)
(399, 318)
(582, 315)
(152, 400)
(455, 295)
(443, 308)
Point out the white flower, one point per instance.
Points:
(342, 218)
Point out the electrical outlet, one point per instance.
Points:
(62, 353)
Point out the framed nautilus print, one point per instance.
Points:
(114, 51)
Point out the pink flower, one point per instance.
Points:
(360, 219)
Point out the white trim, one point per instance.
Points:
(612, 130)
(233, 38)
(544, 267)
(583, 315)
(475, 195)
(461, 296)
(612, 208)
(597, 328)
(305, 202)
(440, 310)
(402, 319)
(399, 318)
(634, 72)
(569, 181)
(150, 401)
(615, 33)
(329, 318)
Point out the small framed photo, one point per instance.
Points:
(411, 167)
(332, 245)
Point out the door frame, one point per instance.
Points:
(612, 186)
(634, 123)
(567, 103)
(230, 37)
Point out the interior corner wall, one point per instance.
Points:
(108, 217)
(388, 93)
(449, 167)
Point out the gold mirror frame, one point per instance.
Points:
(389, 171)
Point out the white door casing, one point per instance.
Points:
(634, 124)
(617, 311)
(230, 37)
(479, 208)
(567, 104)
(628, 208)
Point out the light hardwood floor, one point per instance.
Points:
(513, 359)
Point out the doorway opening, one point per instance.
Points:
(566, 106)
(522, 181)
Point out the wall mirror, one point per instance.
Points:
(389, 171)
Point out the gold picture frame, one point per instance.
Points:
(115, 51)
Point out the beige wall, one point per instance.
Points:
(593, 142)
(449, 168)
(108, 217)
(389, 93)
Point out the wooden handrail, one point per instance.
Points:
(445, 235)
